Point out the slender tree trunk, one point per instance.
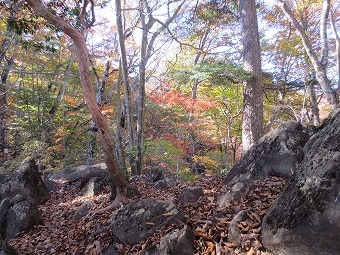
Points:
(120, 124)
(88, 91)
(127, 93)
(337, 46)
(320, 67)
(252, 124)
(314, 103)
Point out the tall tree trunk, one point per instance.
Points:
(88, 91)
(120, 120)
(313, 102)
(252, 124)
(337, 45)
(127, 94)
(100, 89)
(320, 66)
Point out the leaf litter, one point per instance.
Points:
(63, 235)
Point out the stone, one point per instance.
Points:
(226, 199)
(161, 184)
(305, 218)
(154, 175)
(140, 219)
(6, 249)
(95, 186)
(133, 192)
(179, 241)
(72, 174)
(26, 181)
(111, 250)
(234, 233)
(190, 195)
(276, 154)
(83, 209)
(21, 216)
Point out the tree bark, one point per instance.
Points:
(252, 124)
(320, 67)
(127, 94)
(88, 91)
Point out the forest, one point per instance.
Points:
(183, 87)
(175, 98)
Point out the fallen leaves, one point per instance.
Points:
(60, 234)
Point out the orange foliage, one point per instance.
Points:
(70, 100)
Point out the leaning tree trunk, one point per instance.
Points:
(88, 91)
(252, 123)
(320, 66)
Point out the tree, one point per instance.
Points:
(78, 37)
(252, 91)
(320, 64)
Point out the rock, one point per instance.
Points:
(133, 192)
(154, 175)
(190, 195)
(73, 174)
(51, 186)
(305, 218)
(277, 153)
(111, 250)
(6, 249)
(234, 233)
(21, 216)
(161, 184)
(25, 181)
(234, 194)
(179, 242)
(95, 186)
(83, 209)
(140, 219)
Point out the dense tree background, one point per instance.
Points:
(168, 78)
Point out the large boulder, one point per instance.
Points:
(26, 181)
(6, 249)
(278, 153)
(17, 215)
(305, 218)
(72, 174)
(140, 219)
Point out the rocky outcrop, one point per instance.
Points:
(305, 218)
(17, 215)
(277, 153)
(20, 193)
(140, 219)
(6, 249)
(179, 241)
(72, 174)
(26, 181)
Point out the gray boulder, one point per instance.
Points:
(17, 215)
(305, 218)
(72, 174)
(154, 175)
(95, 186)
(278, 153)
(6, 249)
(179, 241)
(190, 195)
(26, 181)
(140, 219)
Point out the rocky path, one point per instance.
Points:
(63, 234)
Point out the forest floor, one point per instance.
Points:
(61, 234)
